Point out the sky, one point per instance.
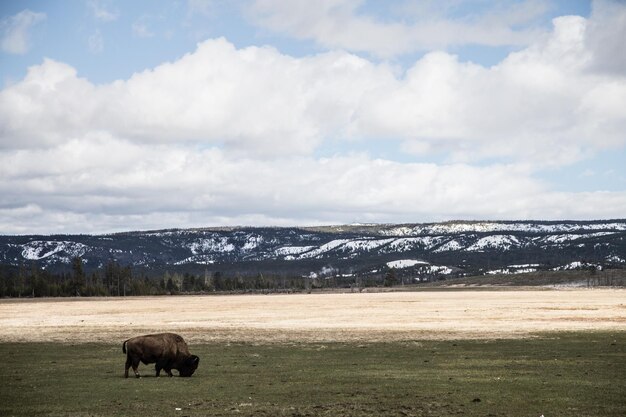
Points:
(153, 114)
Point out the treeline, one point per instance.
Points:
(115, 280)
(111, 280)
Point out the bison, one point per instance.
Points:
(168, 350)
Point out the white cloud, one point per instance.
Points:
(340, 24)
(607, 31)
(101, 12)
(141, 30)
(544, 105)
(102, 183)
(228, 136)
(95, 42)
(254, 100)
(15, 31)
(202, 7)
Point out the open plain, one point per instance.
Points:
(423, 353)
(370, 317)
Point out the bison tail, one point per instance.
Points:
(124, 346)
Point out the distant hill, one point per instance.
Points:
(418, 251)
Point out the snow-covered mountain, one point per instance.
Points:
(436, 248)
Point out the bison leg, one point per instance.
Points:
(127, 366)
(131, 361)
(135, 364)
(169, 371)
(161, 364)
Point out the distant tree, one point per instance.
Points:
(178, 281)
(8, 281)
(218, 281)
(78, 276)
(170, 287)
(208, 281)
(189, 282)
(21, 281)
(238, 282)
(390, 278)
(111, 277)
(126, 276)
(259, 282)
(40, 283)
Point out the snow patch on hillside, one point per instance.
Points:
(509, 271)
(196, 259)
(561, 238)
(365, 245)
(491, 227)
(38, 249)
(501, 242)
(405, 263)
(449, 246)
(292, 250)
(212, 245)
(333, 244)
(615, 258)
(423, 267)
(252, 243)
(409, 243)
(577, 265)
(438, 269)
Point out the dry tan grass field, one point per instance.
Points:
(316, 317)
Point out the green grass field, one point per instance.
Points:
(581, 374)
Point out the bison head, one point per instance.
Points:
(189, 367)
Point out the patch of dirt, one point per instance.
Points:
(368, 317)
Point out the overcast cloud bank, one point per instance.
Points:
(231, 136)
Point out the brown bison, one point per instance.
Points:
(168, 350)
